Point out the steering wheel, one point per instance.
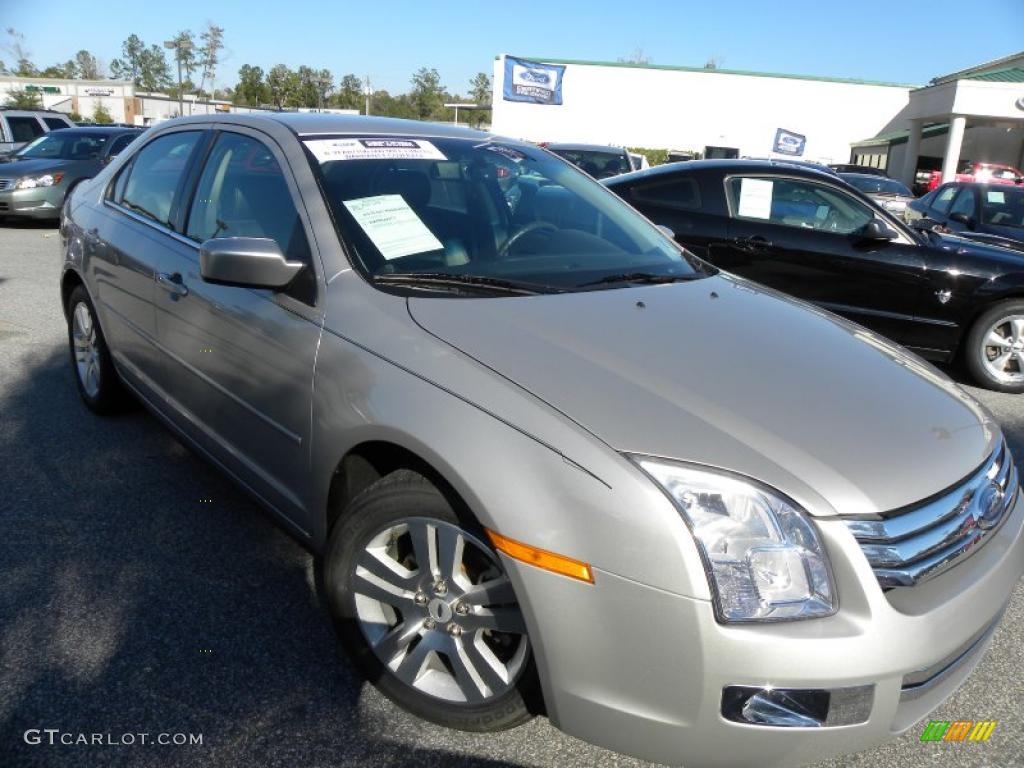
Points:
(520, 233)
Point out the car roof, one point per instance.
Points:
(97, 129)
(581, 147)
(868, 176)
(313, 124)
(724, 166)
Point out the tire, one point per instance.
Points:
(385, 524)
(95, 376)
(996, 336)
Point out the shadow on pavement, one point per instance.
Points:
(129, 604)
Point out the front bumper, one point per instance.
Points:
(642, 671)
(38, 203)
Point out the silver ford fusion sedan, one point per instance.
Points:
(551, 461)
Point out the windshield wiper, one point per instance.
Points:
(458, 280)
(645, 278)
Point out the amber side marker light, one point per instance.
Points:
(549, 561)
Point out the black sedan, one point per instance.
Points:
(811, 235)
(992, 213)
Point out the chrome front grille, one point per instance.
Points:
(913, 545)
(6, 184)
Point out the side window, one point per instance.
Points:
(683, 194)
(965, 203)
(243, 193)
(940, 204)
(55, 124)
(149, 185)
(25, 128)
(119, 144)
(796, 203)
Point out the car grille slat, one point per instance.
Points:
(908, 547)
(6, 184)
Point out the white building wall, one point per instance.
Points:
(688, 110)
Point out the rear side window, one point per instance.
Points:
(120, 143)
(149, 184)
(683, 194)
(243, 193)
(25, 128)
(55, 124)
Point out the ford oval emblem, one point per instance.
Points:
(990, 506)
(1020, 103)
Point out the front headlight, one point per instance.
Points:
(46, 180)
(762, 554)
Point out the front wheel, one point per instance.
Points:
(994, 349)
(425, 609)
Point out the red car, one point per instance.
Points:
(984, 173)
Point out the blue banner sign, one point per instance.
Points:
(789, 143)
(532, 81)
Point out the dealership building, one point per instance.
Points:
(976, 114)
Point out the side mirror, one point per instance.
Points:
(876, 229)
(666, 231)
(251, 262)
(924, 224)
(963, 218)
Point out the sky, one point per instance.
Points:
(900, 41)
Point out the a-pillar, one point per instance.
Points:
(953, 143)
(913, 153)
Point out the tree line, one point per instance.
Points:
(199, 57)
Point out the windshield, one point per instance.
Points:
(487, 213)
(598, 164)
(65, 146)
(877, 185)
(1003, 207)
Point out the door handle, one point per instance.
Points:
(754, 244)
(173, 284)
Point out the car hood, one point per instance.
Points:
(725, 373)
(30, 167)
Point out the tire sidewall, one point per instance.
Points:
(402, 495)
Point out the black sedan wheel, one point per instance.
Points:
(995, 347)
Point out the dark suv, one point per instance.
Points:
(20, 126)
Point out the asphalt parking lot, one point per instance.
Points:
(128, 605)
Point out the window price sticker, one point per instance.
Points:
(330, 150)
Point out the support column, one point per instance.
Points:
(953, 143)
(913, 153)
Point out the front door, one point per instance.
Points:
(239, 360)
(800, 236)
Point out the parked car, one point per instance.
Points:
(852, 168)
(812, 236)
(40, 174)
(991, 213)
(599, 161)
(889, 193)
(20, 126)
(986, 173)
(550, 460)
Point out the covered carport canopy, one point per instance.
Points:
(988, 95)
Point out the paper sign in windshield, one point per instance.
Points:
(393, 226)
(755, 199)
(996, 196)
(329, 150)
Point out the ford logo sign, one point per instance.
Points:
(1020, 103)
(535, 76)
(990, 506)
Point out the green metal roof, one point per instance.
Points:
(893, 138)
(1008, 75)
(674, 68)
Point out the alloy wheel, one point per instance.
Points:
(439, 612)
(1002, 351)
(87, 353)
